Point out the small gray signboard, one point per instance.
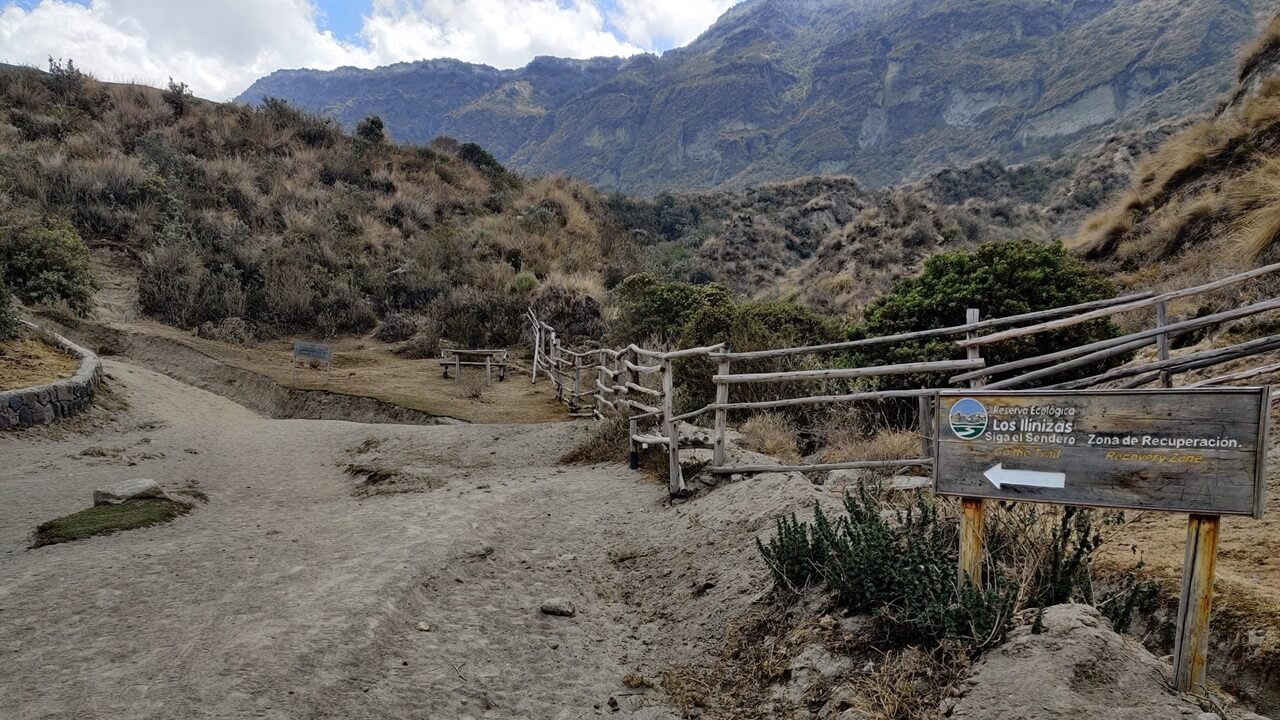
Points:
(303, 350)
(1192, 450)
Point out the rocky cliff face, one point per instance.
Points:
(882, 89)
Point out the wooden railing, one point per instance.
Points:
(639, 384)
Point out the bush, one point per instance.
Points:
(771, 434)
(371, 131)
(423, 346)
(8, 316)
(650, 311)
(45, 262)
(1000, 279)
(397, 327)
(904, 571)
(178, 97)
(232, 330)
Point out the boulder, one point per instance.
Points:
(1077, 667)
(559, 607)
(130, 490)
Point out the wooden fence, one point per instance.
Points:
(639, 384)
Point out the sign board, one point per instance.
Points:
(303, 350)
(1189, 450)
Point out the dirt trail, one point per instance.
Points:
(284, 596)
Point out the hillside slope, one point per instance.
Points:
(778, 89)
(1210, 196)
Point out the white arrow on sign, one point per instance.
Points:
(1026, 478)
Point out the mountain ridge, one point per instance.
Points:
(882, 90)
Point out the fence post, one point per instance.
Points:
(972, 520)
(633, 357)
(537, 348)
(722, 414)
(675, 483)
(1162, 343)
(457, 368)
(926, 426)
(577, 383)
(555, 367)
(1191, 641)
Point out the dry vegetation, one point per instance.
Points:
(28, 361)
(245, 223)
(1208, 195)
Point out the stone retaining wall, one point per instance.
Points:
(45, 403)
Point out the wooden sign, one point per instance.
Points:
(1189, 450)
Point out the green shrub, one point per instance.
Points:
(903, 571)
(8, 315)
(525, 283)
(999, 279)
(371, 131)
(45, 262)
(651, 311)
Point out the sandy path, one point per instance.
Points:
(286, 597)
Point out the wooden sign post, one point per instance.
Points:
(1198, 451)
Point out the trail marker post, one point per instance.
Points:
(1199, 451)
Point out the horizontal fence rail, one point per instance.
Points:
(638, 384)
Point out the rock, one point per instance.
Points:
(1077, 667)
(1208, 716)
(559, 607)
(424, 627)
(130, 490)
(478, 550)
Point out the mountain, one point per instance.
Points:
(884, 90)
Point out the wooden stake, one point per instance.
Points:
(633, 458)
(675, 481)
(722, 416)
(1191, 641)
(1162, 342)
(972, 519)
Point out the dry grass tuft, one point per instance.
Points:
(610, 441)
(885, 445)
(1257, 195)
(1266, 44)
(771, 434)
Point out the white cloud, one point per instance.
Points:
(216, 47)
(502, 33)
(650, 23)
(220, 47)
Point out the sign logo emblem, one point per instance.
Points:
(968, 419)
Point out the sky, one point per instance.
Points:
(219, 47)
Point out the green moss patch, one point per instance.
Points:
(107, 519)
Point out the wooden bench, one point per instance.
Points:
(487, 359)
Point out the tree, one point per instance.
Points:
(999, 279)
(178, 96)
(371, 131)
